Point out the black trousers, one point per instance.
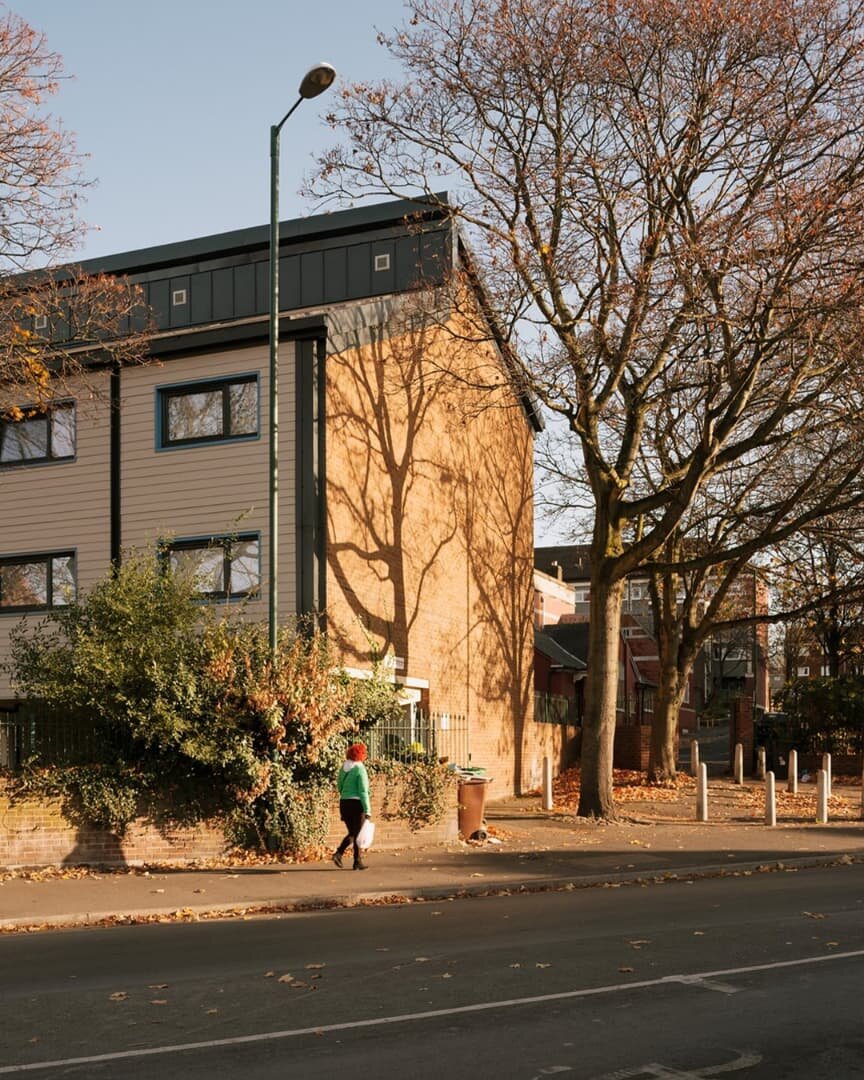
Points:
(352, 813)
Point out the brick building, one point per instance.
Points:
(406, 517)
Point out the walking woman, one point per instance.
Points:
(353, 783)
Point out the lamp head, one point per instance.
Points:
(316, 80)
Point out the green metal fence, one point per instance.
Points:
(435, 735)
(555, 709)
(30, 734)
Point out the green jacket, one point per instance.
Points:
(353, 783)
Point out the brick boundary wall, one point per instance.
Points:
(631, 747)
(36, 834)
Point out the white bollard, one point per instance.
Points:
(821, 798)
(694, 756)
(702, 793)
(547, 784)
(826, 765)
(770, 800)
(739, 763)
(792, 782)
(760, 763)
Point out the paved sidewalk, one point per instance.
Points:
(536, 851)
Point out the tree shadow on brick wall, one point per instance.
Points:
(95, 847)
(385, 536)
(498, 533)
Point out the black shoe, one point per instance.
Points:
(360, 865)
(337, 858)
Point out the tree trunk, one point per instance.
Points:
(598, 727)
(664, 726)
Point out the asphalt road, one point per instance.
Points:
(757, 976)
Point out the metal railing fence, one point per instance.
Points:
(555, 709)
(435, 735)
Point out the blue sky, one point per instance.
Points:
(173, 101)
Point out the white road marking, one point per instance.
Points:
(707, 984)
(431, 1014)
(664, 1072)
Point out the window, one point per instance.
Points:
(826, 671)
(583, 596)
(37, 582)
(803, 670)
(222, 567)
(38, 434)
(209, 411)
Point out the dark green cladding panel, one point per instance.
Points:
(200, 298)
(289, 282)
(311, 278)
(335, 275)
(262, 287)
(384, 257)
(244, 291)
(359, 271)
(159, 303)
(409, 273)
(223, 293)
(434, 259)
(179, 290)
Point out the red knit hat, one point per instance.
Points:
(357, 752)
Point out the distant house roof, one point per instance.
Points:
(573, 559)
(572, 637)
(560, 657)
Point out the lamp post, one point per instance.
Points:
(315, 82)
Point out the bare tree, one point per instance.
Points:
(53, 324)
(665, 204)
(823, 568)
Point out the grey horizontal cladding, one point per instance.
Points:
(311, 278)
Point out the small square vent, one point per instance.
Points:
(178, 297)
(40, 322)
(382, 262)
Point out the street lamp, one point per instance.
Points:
(315, 82)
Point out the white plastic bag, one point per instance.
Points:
(366, 835)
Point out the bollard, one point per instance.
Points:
(770, 800)
(702, 793)
(760, 763)
(821, 798)
(694, 756)
(826, 765)
(792, 782)
(739, 763)
(547, 784)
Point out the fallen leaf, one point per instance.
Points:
(542, 965)
(832, 944)
(285, 978)
(813, 914)
(119, 995)
(515, 965)
(698, 933)
(212, 1012)
(421, 959)
(156, 986)
(315, 967)
(269, 974)
(625, 969)
(159, 1001)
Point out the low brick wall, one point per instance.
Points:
(632, 747)
(841, 764)
(38, 834)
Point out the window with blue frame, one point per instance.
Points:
(34, 434)
(211, 411)
(222, 568)
(37, 582)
